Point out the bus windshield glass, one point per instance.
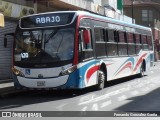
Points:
(43, 46)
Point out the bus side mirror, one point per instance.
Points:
(86, 36)
(5, 42)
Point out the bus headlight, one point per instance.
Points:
(69, 70)
(17, 72)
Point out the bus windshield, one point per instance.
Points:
(43, 46)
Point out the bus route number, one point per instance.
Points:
(24, 55)
(52, 19)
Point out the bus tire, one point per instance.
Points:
(101, 80)
(141, 74)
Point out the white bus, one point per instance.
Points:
(78, 49)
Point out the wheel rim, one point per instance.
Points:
(101, 79)
(142, 71)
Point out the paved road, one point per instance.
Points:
(130, 94)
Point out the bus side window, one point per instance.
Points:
(149, 39)
(106, 33)
(110, 35)
(122, 37)
(145, 42)
(99, 34)
(131, 44)
(138, 43)
(122, 45)
(111, 45)
(86, 39)
(116, 38)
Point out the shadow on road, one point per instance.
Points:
(147, 102)
(41, 96)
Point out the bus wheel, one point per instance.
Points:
(101, 80)
(141, 74)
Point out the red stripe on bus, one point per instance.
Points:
(128, 65)
(139, 61)
(91, 71)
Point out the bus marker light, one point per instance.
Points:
(17, 72)
(69, 70)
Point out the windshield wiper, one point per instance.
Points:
(51, 35)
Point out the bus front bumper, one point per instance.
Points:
(41, 83)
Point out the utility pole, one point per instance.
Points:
(132, 11)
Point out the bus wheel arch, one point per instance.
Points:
(102, 76)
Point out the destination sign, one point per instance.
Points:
(46, 20)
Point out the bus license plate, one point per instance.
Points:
(41, 84)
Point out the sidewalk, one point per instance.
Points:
(6, 87)
(5, 81)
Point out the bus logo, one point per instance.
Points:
(27, 71)
(40, 76)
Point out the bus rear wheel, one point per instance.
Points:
(141, 74)
(101, 80)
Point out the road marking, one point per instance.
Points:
(105, 96)
(84, 108)
(135, 93)
(61, 107)
(139, 83)
(121, 98)
(95, 107)
(4, 85)
(146, 89)
(104, 104)
(152, 72)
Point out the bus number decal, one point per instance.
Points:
(24, 55)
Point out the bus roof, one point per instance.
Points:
(112, 20)
(94, 15)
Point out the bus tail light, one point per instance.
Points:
(17, 72)
(69, 70)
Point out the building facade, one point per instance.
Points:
(146, 13)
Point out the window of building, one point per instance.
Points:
(147, 15)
